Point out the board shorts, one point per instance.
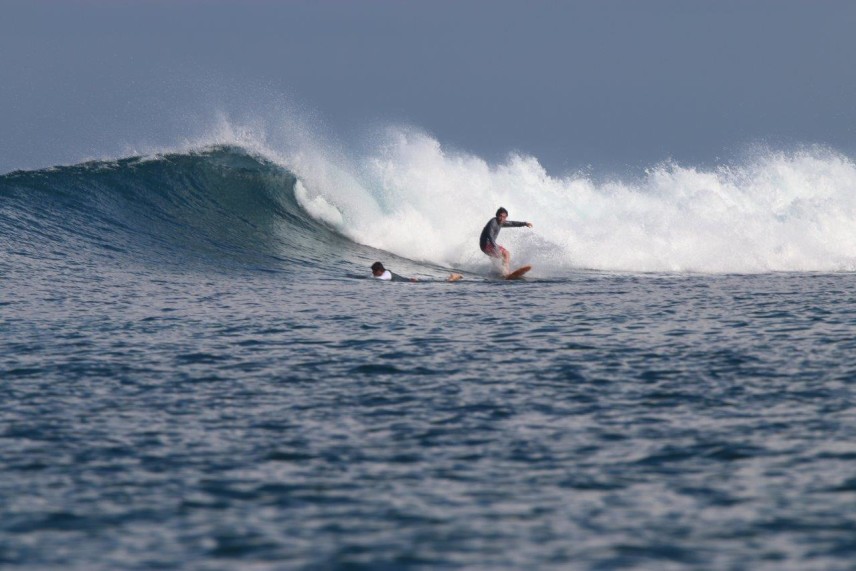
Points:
(494, 252)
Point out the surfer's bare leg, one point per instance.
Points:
(506, 261)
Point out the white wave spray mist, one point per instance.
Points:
(774, 211)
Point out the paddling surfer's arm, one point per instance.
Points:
(398, 278)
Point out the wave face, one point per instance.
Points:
(423, 206)
(220, 206)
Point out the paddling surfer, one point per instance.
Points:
(487, 240)
(381, 273)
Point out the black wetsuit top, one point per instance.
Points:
(491, 231)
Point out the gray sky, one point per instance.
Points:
(612, 84)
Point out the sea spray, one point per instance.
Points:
(775, 211)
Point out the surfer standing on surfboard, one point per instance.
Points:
(487, 240)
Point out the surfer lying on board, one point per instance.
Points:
(487, 240)
(381, 273)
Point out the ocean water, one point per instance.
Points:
(197, 373)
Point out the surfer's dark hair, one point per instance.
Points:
(501, 211)
(378, 267)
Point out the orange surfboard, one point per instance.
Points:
(518, 273)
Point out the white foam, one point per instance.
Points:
(408, 195)
(318, 207)
(776, 212)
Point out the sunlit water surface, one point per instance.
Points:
(246, 419)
